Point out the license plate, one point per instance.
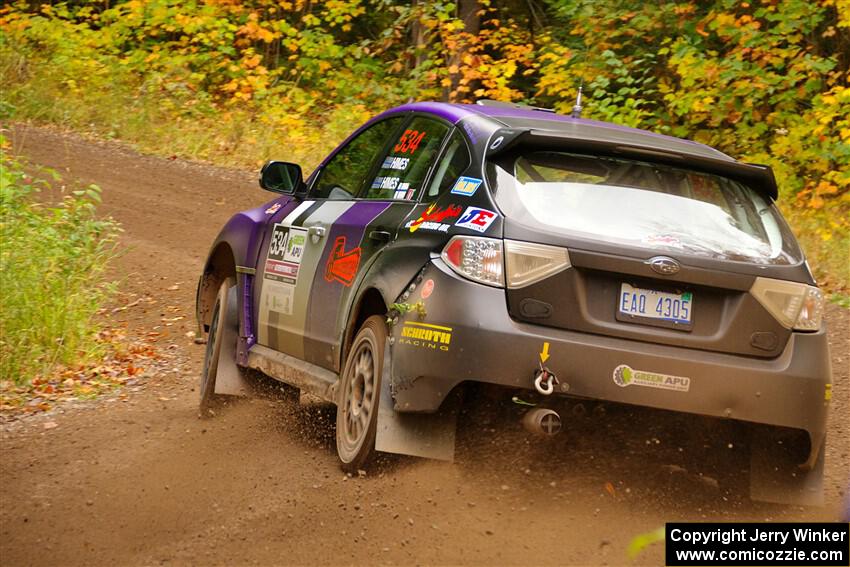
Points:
(660, 306)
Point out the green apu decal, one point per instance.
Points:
(626, 376)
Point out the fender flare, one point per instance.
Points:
(234, 251)
(387, 276)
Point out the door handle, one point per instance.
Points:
(380, 235)
(317, 232)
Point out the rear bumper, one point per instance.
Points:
(467, 335)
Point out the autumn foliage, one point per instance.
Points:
(239, 81)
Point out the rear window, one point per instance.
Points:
(642, 204)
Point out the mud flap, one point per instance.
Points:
(431, 436)
(229, 379)
(776, 474)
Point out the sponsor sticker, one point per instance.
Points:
(294, 250)
(663, 240)
(466, 186)
(285, 251)
(626, 376)
(424, 335)
(281, 268)
(342, 265)
(283, 263)
(433, 218)
(395, 162)
(476, 219)
(281, 300)
(427, 289)
(402, 191)
(385, 183)
(273, 209)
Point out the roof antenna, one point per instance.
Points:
(577, 107)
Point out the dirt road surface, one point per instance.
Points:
(143, 481)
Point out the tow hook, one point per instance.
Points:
(545, 380)
(542, 421)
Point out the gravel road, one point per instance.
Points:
(143, 481)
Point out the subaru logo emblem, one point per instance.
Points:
(664, 265)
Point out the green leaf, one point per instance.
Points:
(642, 541)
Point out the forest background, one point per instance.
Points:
(238, 82)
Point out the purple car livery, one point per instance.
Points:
(442, 245)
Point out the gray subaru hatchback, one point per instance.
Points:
(445, 244)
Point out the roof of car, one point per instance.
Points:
(543, 120)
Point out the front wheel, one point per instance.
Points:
(360, 390)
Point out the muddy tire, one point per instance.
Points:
(359, 395)
(209, 400)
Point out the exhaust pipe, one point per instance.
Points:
(542, 421)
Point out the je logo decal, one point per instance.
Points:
(626, 376)
(476, 219)
(342, 266)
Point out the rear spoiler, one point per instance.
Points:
(758, 177)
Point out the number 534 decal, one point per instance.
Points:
(409, 141)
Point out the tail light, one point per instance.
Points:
(527, 262)
(493, 262)
(795, 305)
(475, 258)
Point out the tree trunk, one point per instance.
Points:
(468, 13)
(417, 36)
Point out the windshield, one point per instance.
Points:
(643, 204)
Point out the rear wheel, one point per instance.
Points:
(360, 389)
(209, 400)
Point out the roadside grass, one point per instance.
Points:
(52, 261)
(109, 102)
(840, 299)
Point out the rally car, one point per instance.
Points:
(447, 244)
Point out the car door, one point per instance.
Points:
(295, 241)
(317, 252)
(363, 229)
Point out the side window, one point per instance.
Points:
(406, 164)
(345, 174)
(454, 162)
